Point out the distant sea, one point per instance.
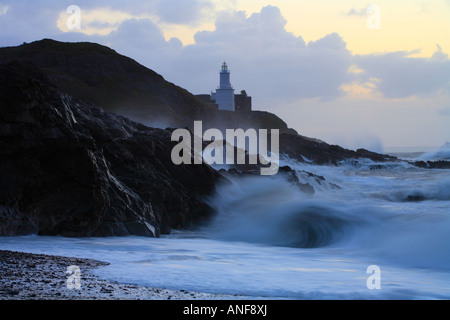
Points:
(409, 153)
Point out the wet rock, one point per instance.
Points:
(70, 168)
(438, 164)
(284, 172)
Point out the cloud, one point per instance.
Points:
(104, 20)
(362, 89)
(264, 29)
(402, 76)
(96, 21)
(187, 12)
(270, 63)
(138, 33)
(33, 20)
(439, 54)
(357, 12)
(273, 65)
(184, 12)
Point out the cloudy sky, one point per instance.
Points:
(355, 73)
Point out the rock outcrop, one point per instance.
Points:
(439, 164)
(73, 169)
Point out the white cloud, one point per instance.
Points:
(362, 89)
(362, 12)
(34, 20)
(186, 12)
(402, 76)
(439, 54)
(96, 21)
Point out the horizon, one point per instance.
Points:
(353, 75)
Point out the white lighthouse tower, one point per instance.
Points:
(225, 93)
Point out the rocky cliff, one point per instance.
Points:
(74, 169)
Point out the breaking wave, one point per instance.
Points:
(437, 190)
(271, 212)
(443, 153)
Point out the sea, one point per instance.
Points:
(370, 231)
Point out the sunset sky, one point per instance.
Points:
(355, 73)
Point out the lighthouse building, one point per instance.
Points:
(224, 97)
(225, 92)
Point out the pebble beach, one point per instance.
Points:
(26, 276)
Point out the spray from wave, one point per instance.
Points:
(438, 190)
(270, 211)
(443, 153)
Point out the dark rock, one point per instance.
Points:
(285, 172)
(292, 177)
(305, 149)
(439, 164)
(70, 168)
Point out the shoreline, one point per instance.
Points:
(28, 276)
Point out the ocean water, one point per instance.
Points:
(271, 241)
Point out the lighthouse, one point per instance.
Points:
(225, 93)
(223, 98)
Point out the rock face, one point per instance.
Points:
(439, 164)
(69, 168)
